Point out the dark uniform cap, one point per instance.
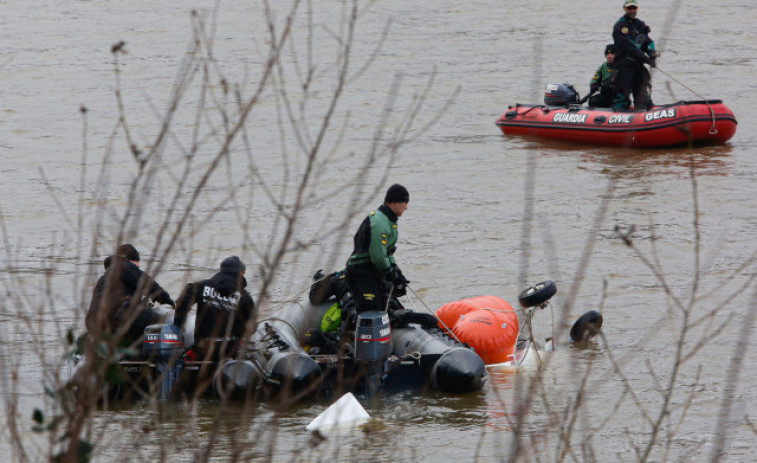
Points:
(610, 49)
(127, 252)
(232, 264)
(397, 194)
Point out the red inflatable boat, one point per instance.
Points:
(668, 125)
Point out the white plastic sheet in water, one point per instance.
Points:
(344, 414)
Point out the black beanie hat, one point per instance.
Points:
(610, 48)
(232, 265)
(397, 194)
(127, 252)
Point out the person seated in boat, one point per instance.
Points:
(225, 311)
(331, 288)
(338, 324)
(118, 298)
(633, 49)
(602, 85)
(334, 288)
(326, 287)
(372, 261)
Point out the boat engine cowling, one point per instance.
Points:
(164, 345)
(560, 95)
(373, 336)
(163, 342)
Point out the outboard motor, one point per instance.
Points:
(373, 345)
(164, 345)
(560, 95)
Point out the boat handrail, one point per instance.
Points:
(688, 102)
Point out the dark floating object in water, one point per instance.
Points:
(586, 327)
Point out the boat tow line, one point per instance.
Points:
(447, 328)
(713, 130)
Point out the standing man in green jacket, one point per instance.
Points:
(371, 267)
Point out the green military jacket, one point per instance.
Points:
(603, 76)
(376, 239)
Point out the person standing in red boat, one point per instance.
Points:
(604, 81)
(634, 49)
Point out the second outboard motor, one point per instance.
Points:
(373, 345)
(164, 345)
(560, 95)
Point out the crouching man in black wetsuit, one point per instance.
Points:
(333, 289)
(118, 297)
(225, 311)
(326, 287)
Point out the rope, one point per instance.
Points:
(529, 315)
(294, 297)
(552, 310)
(713, 130)
(542, 107)
(389, 298)
(449, 331)
(527, 322)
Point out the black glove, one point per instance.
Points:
(426, 320)
(646, 29)
(400, 289)
(397, 317)
(399, 279)
(593, 88)
(394, 277)
(318, 275)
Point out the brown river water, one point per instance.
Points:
(489, 214)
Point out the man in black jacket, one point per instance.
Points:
(117, 299)
(224, 310)
(633, 49)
